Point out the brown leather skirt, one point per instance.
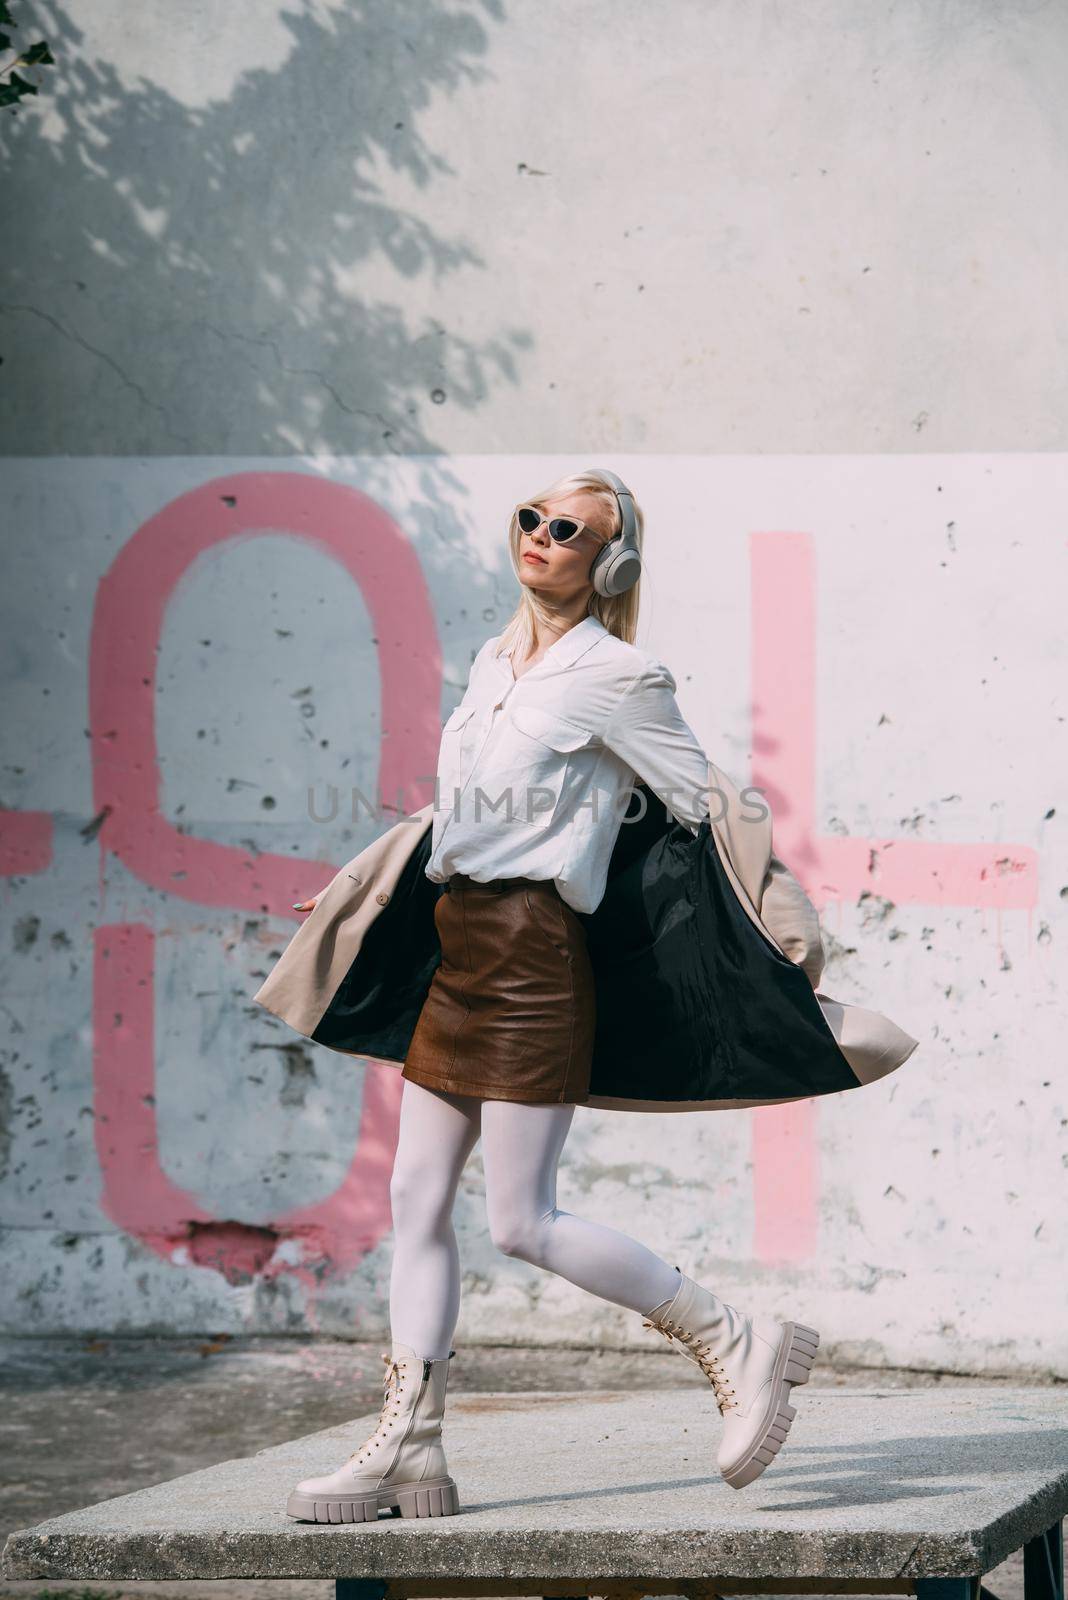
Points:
(510, 1011)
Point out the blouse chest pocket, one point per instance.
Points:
(543, 754)
(450, 764)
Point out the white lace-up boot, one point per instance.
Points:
(402, 1464)
(750, 1362)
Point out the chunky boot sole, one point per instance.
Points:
(793, 1363)
(434, 1497)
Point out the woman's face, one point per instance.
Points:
(562, 570)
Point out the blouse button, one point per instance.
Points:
(382, 897)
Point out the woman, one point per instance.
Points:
(535, 771)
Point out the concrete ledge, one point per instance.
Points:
(873, 1487)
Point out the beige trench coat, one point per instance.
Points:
(324, 951)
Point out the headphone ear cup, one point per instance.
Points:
(614, 571)
(617, 566)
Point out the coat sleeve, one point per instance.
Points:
(647, 730)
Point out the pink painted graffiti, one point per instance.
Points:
(25, 843)
(333, 1235)
(831, 868)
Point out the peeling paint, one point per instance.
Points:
(299, 1075)
(24, 933)
(233, 1249)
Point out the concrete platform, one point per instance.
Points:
(874, 1491)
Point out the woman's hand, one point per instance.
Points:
(307, 905)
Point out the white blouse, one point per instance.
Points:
(535, 773)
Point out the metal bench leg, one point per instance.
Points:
(1044, 1565)
(359, 1589)
(948, 1588)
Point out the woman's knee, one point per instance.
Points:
(521, 1235)
(420, 1198)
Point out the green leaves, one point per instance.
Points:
(14, 89)
(38, 55)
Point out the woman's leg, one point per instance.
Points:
(521, 1146)
(436, 1135)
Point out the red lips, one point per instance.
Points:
(528, 555)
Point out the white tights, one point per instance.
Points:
(521, 1146)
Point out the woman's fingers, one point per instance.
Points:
(305, 905)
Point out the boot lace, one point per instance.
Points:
(706, 1359)
(393, 1383)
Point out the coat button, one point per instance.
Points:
(382, 897)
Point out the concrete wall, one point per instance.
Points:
(305, 299)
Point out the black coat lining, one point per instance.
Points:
(694, 1002)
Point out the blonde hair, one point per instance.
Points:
(618, 612)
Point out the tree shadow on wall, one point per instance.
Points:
(204, 279)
